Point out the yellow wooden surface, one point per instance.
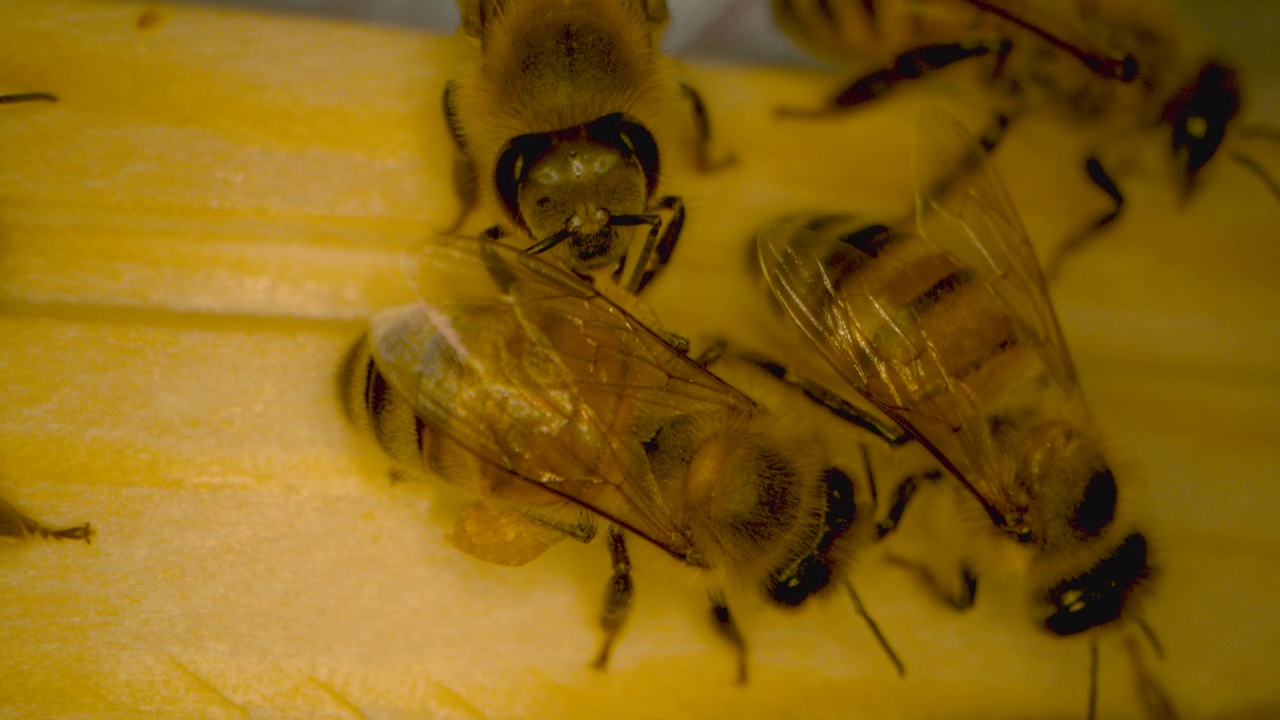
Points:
(189, 240)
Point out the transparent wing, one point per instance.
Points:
(533, 371)
(962, 208)
(881, 348)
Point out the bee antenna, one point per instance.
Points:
(871, 478)
(544, 245)
(1104, 66)
(1257, 169)
(875, 629)
(1151, 637)
(1093, 680)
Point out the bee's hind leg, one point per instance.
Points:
(959, 590)
(659, 242)
(728, 629)
(1099, 176)
(908, 66)
(617, 598)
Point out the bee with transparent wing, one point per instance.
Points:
(948, 329)
(551, 406)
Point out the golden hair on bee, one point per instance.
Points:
(553, 409)
(551, 64)
(563, 124)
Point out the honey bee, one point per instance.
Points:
(1123, 68)
(562, 119)
(549, 408)
(947, 328)
(15, 525)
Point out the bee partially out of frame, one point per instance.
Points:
(1121, 69)
(564, 120)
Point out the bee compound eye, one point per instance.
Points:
(512, 170)
(1097, 507)
(637, 142)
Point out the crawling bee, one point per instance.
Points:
(562, 119)
(1121, 67)
(948, 330)
(550, 409)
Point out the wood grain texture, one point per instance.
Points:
(190, 239)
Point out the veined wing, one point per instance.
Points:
(939, 359)
(880, 345)
(533, 371)
(963, 209)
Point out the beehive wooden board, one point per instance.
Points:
(189, 241)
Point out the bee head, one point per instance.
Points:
(576, 190)
(1199, 115)
(1100, 594)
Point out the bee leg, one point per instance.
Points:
(658, 244)
(1002, 57)
(1092, 712)
(910, 65)
(820, 394)
(960, 596)
(465, 181)
(995, 132)
(584, 531)
(712, 353)
(16, 525)
(666, 244)
(1104, 181)
(1151, 694)
(26, 97)
(728, 630)
(905, 491)
(703, 124)
(617, 599)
